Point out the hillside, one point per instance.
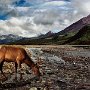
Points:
(82, 37)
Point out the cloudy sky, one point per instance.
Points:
(29, 18)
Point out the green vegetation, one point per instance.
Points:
(82, 37)
(61, 39)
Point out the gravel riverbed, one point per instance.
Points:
(62, 68)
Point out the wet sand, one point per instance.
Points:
(63, 68)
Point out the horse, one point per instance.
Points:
(17, 55)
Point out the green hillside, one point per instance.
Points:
(82, 37)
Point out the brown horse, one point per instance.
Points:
(17, 55)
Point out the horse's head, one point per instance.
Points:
(36, 71)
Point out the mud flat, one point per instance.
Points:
(62, 68)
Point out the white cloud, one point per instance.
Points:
(82, 7)
(55, 3)
(23, 26)
(31, 21)
(25, 9)
(6, 2)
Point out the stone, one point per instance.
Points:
(33, 88)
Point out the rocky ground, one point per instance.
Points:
(62, 68)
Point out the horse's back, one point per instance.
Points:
(2, 53)
(12, 53)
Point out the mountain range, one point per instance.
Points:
(4, 39)
(77, 33)
(75, 27)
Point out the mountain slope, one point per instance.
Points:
(48, 34)
(82, 37)
(75, 27)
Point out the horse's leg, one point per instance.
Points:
(16, 70)
(16, 67)
(19, 66)
(1, 65)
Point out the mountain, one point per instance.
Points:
(4, 39)
(73, 33)
(75, 27)
(40, 40)
(15, 39)
(48, 34)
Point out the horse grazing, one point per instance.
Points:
(17, 55)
